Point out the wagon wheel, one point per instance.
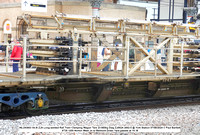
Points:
(27, 108)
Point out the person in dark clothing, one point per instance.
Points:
(2, 47)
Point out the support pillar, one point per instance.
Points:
(75, 37)
(125, 65)
(94, 53)
(7, 56)
(170, 55)
(24, 57)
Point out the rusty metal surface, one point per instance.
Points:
(45, 79)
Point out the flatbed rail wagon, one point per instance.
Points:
(146, 59)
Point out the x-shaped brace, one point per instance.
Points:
(149, 56)
(112, 57)
(105, 63)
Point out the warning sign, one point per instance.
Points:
(34, 5)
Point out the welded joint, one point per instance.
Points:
(59, 23)
(150, 29)
(121, 26)
(175, 30)
(93, 24)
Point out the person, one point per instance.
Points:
(116, 63)
(2, 47)
(16, 56)
(106, 56)
(29, 56)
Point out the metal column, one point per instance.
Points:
(7, 55)
(184, 12)
(75, 52)
(24, 57)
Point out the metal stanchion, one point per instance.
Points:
(181, 68)
(127, 56)
(7, 57)
(24, 58)
(156, 63)
(80, 62)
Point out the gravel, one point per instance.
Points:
(185, 117)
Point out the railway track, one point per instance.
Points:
(109, 106)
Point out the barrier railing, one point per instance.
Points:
(129, 69)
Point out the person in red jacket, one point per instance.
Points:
(16, 56)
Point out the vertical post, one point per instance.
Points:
(156, 62)
(158, 10)
(94, 50)
(124, 66)
(89, 58)
(170, 56)
(24, 57)
(127, 55)
(6, 42)
(7, 57)
(75, 52)
(142, 56)
(173, 11)
(181, 68)
(184, 12)
(80, 61)
(170, 10)
(95, 14)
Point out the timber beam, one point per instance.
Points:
(149, 56)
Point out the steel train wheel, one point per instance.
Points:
(27, 109)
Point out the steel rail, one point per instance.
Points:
(107, 106)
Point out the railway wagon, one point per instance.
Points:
(144, 60)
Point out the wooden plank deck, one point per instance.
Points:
(15, 79)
